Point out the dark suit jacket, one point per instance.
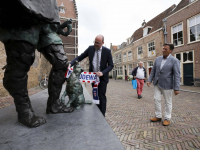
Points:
(106, 63)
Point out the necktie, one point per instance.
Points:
(97, 61)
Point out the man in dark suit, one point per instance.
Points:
(101, 62)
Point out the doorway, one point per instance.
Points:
(188, 74)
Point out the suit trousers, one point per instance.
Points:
(102, 96)
(167, 101)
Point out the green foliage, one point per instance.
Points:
(130, 78)
(119, 78)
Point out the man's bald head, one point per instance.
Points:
(99, 41)
(100, 37)
(140, 64)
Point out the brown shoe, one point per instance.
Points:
(166, 122)
(155, 119)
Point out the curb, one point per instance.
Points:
(180, 89)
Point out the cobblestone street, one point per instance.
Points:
(129, 118)
(7, 101)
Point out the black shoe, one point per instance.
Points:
(139, 96)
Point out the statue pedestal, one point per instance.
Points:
(83, 129)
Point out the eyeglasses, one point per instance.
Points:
(96, 43)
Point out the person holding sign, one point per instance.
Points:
(100, 60)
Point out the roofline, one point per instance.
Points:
(140, 39)
(182, 8)
(148, 35)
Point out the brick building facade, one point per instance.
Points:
(68, 10)
(179, 25)
(183, 29)
(144, 45)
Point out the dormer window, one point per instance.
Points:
(128, 41)
(146, 30)
(62, 8)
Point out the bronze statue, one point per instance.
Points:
(25, 26)
(74, 89)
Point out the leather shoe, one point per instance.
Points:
(166, 122)
(155, 119)
(139, 96)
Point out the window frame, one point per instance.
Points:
(130, 57)
(130, 71)
(120, 58)
(139, 54)
(116, 58)
(188, 28)
(153, 50)
(120, 70)
(172, 33)
(124, 57)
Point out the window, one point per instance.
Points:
(124, 57)
(130, 69)
(113, 59)
(130, 55)
(146, 31)
(120, 71)
(151, 49)
(150, 64)
(120, 58)
(116, 58)
(62, 8)
(140, 52)
(194, 28)
(187, 56)
(178, 56)
(177, 32)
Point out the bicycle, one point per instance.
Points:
(44, 83)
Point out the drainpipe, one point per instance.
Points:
(165, 29)
(75, 38)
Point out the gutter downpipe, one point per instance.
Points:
(165, 29)
(75, 38)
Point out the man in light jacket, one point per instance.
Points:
(166, 76)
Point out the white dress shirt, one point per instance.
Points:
(140, 73)
(164, 61)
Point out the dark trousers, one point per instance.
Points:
(102, 96)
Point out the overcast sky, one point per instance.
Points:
(115, 19)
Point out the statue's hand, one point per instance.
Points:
(67, 24)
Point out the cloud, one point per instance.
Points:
(116, 20)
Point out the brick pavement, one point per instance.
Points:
(129, 119)
(6, 101)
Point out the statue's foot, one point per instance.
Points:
(30, 119)
(59, 109)
(78, 107)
